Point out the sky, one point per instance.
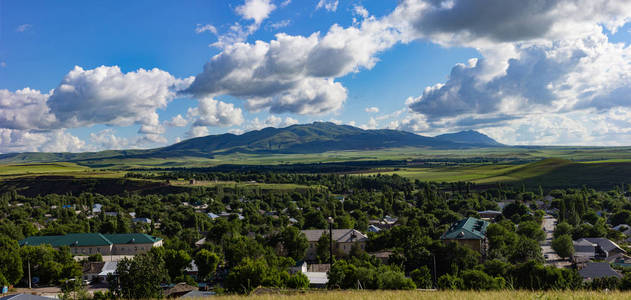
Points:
(93, 75)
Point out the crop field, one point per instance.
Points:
(40, 168)
(438, 295)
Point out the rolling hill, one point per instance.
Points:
(316, 137)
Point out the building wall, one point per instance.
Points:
(476, 245)
(116, 249)
(338, 248)
(89, 250)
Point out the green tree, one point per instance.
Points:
(294, 242)
(562, 228)
(140, 277)
(176, 261)
(526, 249)
(478, 280)
(422, 277)
(10, 260)
(531, 230)
(563, 245)
(206, 263)
(250, 274)
(322, 248)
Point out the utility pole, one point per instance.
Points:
(29, 272)
(331, 242)
(435, 281)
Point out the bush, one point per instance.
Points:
(478, 280)
(393, 280)
(298, 281)
(449, 282)
(422, 278)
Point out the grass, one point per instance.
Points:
(437, 295)
(40, 168)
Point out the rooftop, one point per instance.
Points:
(598, 270)
(466, 229)
(339, 235)
(89, 239)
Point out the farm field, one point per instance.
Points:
(438, 295)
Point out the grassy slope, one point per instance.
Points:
(437, 295)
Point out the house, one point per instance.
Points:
(489, 214)
(584, 250)
(470, 232)
(201, 242)
(198, 294)
(109, 268)
(598, 270)
(91, 270)
(92, 243)
(344, 239)
(26, 297)
(317, 279)
(373, 228)
(605, 247)
(299, 267)
(213, 216)
(179, 290)
(624, 228)
(141, 220)
(96, 208)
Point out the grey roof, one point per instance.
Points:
(109, 268)
(25, 297)
(339, 235)
(373, 228)
(605, 244)
(598, 270)
(198, 294)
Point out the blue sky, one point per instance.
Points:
(87, 76)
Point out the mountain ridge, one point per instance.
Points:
(315, 137)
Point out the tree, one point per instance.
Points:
(250, 274)
(206, 263)
(562, 228)
(176, 261)
(322, 248)
(140, 277)
(526, 249)
(294, 242)
(563, 245)
(478, 280)
(422, 277)
(10, 260)
(532, 230)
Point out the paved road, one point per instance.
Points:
(553, 259)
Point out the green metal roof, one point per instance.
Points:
(466, 229)
(89, 239)
(131, 238)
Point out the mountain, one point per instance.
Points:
(305, 138)
(469, 137)
(316, 137)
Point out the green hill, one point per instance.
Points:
(317, 137)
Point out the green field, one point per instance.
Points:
(549, 167)
(40, 168)
(437, 295)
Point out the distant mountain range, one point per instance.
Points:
(316, 137)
